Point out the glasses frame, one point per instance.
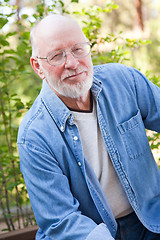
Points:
(64, 54)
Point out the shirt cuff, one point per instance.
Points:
(100, 232)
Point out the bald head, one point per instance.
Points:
(51, 27)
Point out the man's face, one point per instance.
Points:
(74, 77)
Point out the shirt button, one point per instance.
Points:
(75, 138)
(79, 163)
(62, 128)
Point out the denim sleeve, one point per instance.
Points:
(55, 208)
(99, 233)
(148, 99)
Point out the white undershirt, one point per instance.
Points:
(96, 153)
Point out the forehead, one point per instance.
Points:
(58, 33)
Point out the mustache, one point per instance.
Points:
(72, 73)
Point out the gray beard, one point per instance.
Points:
(72, 91)
(67, 90)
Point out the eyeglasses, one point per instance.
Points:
(79, 50)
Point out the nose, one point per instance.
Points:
(70, 61)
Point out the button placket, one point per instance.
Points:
(75, 139)
(78, 152)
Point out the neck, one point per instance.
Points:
(82, 103)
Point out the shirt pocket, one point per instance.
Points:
(134, 136)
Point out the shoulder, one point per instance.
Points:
(112, 68)
(115, 73)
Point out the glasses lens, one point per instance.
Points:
(56, 57)
(81, 50)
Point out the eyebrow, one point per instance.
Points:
(60, 49)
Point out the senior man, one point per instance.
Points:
(84, 153)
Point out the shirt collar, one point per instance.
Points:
(57, 109)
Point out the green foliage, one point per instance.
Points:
(119, 48)
(92, 19)
(153, 78)
(12, 68)
(154, 141)
(154, 138)
(16, 83)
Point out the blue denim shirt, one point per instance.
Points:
(65, 194)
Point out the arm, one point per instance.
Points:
(54, 206)
(148, 98)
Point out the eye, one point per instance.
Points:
(78, 50)
(55, 56)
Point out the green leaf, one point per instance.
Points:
(5, 229)
(11, 34)
(24, 16)
(25, 35)
(76, 1)
(115, 6)
(13, 95)
(11, 186)
(62, 4)
(19, 105)
(9, 51)
(3, 21)
(3, 41)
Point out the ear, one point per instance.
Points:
(36, 67)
